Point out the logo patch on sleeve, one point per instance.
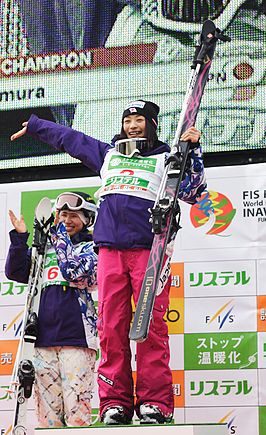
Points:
(105, 379)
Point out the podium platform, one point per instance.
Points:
(171, 429)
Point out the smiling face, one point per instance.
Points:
(134, 126)
(72, 222)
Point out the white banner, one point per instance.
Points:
(217, 313)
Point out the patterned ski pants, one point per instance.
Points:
(63, 386)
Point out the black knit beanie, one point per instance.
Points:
(148, 109)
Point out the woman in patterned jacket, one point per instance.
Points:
(66, 345)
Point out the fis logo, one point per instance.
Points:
(214, 211)
(15, 325)
(7, 431)
(222, 315)
(229, 419)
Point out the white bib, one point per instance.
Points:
(51, 273)
(136, 176)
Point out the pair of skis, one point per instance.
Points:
(23, 372)
(165, 214)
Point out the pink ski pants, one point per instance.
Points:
(120, 275)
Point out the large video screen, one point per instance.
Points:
(79, 63)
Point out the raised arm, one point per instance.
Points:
(17, 266)
(89, 151)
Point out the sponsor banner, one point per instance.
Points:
(179, 415)
(262, 419)
(7, 399)
(11, 292)
(8, 351)
(262, 350)
(3, 219)
(177, 283)
(174, 316)
(261, 313)
(214, 211)
(177, 351)
(220, 278)
(221, 351)
(235, 418)
(178, 388)
(217, 297)
(214, 388)
(220, 314)
(262, 384)
(220, 219)
(261, 273)
(6, 419)
(11, 322)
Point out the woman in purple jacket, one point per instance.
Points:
(130, 175)
(66, 345)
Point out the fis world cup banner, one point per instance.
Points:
(217, 313)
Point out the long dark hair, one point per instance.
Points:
(150, 134)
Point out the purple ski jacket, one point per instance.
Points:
(123, 220)
(60, 313)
